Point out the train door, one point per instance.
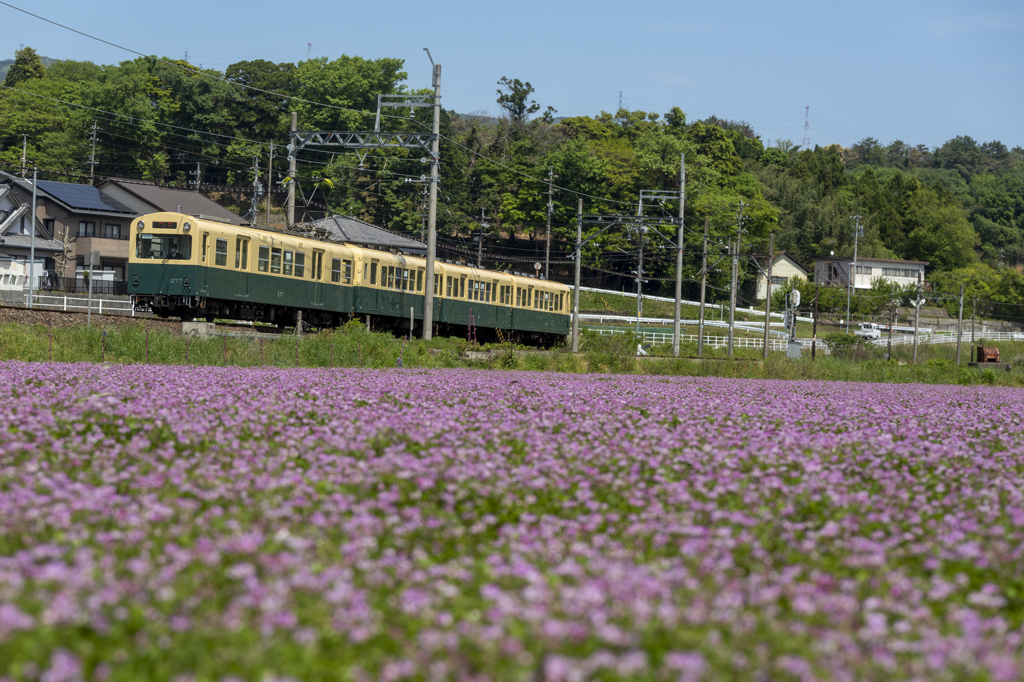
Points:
(317, 271)
(204, 265)
(242, 265)
(371, 291)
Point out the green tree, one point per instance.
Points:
(27, 66)
(342, 94)
(262, 106)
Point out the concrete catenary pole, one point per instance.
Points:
(732, 295)
(917, 314)
(290, 205)
(768, 293)
(428, 290)
(959, 323)
(270, 184)
(576, 280)
(679, 256)
(32, 242)
(892, 315)
(703, 289)
(551, 209)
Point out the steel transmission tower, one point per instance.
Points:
(807, 128)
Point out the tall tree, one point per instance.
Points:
(27, 66)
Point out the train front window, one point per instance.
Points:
(164, 247)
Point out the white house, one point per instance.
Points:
(784, 268)
(834, 271)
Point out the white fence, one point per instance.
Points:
(744, 326)
(74, 303)
(712, 306)
(780, 344)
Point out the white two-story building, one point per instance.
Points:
(834, 271)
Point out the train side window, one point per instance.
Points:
(275, 261)
(264, 259)
(462, 287)
(437, 281)
(449, 278)
(300, 264)
(335, 269)
(289, 259)
(373, 272)
(347, 272)
(221, 252)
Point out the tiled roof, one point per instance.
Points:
(170, 199)
(350, 230)
(848, 259)
(24, 241)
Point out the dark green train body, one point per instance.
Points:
(193, 268)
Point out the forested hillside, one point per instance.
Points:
(959, 206)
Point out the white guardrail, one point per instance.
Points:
(780, 344)
(713, 306)
(66, 303)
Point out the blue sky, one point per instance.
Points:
(922, 72)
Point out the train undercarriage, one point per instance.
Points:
(189, 308)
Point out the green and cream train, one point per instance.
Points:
(191, 268)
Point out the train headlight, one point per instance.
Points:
(141, 224)
(187, 227)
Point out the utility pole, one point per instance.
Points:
(551, 209)
(640, 265)
(814, 325)
(92, 154)
(959, 323)
(735, 276)
(768, 294)
(732, 294)
(428, 290)
(480, 245)
(24, 151)
(917, 314)
(32, 242)
(892, 315)
(270, 181)
(703, 288)
(679, 256)
(974, 311)
(576, 287)
(292, 161)
(857, 232)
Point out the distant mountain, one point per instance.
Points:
(5, 65)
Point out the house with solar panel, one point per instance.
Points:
(78, 217)
(16, 242)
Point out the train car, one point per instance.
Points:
(192, 268)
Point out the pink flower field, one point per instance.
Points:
(181, 523)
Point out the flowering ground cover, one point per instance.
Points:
(259, 524)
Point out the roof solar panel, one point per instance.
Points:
(82, 196)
